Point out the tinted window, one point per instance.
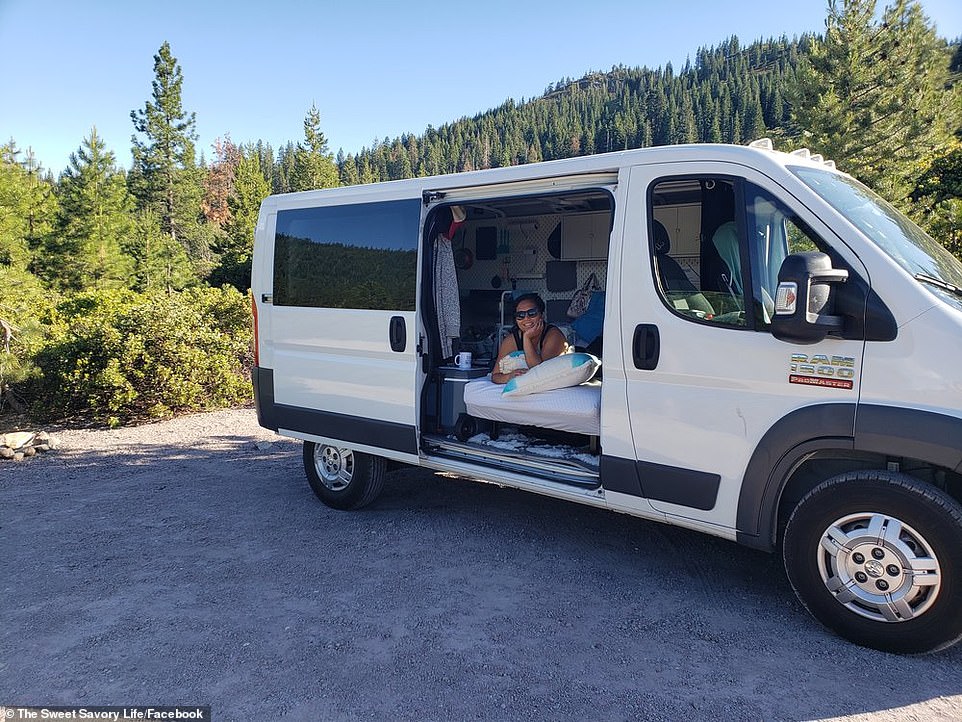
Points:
(355, 256)
(697, 249)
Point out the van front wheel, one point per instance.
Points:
(877, 557)
(342, 478)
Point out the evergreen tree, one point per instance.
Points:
(873, 94)
(95, 220)
(347, 169)
(28, 209)
(160, 262)
(165, 177)
(938, 197)
(687, 130)
(313, 163)
(265, 154)
(248, 190)
(753, 126)
(284, 169)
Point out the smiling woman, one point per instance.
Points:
(531, 341)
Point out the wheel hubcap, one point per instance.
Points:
(879, 567)
(334, 466)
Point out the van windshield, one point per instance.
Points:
(907, 244)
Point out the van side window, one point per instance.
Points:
(361, 256)
(775, 231)
(697, 247)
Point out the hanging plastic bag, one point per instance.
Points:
(581, 299)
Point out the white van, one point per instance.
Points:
(779, 358)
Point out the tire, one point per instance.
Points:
(876, 556)
(342, 478)
(465, 427)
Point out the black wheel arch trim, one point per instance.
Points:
(889, 430)
(925, 435)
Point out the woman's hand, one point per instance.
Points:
(502, 378)
(533, 332)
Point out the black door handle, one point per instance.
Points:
(645, 346)
(398, 333)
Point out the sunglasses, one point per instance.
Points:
(530, 313)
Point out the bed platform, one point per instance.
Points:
(576, 409)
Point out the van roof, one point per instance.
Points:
(758, 155)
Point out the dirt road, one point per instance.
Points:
(184, 563)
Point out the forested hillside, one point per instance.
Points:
(90, 258)
(727, 94)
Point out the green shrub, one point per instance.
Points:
(121, 356)
(23, 303)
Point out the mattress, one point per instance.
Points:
(576, 409)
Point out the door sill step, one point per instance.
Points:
(570, 471)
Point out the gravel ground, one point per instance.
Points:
(188, 562)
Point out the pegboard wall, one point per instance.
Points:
(520, 259)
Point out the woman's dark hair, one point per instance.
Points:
(530, 297)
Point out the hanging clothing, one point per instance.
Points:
(447, 301)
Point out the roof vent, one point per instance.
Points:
(762, 144)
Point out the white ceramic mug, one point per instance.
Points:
(463, 360)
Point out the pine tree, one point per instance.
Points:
(95, 220)
(753, 126)
(686, 130)
(165, 176)
(27, 208)
(284, 168)
(265, 154)
(249, 189)
(313, 163)
(347, 169)
(160, 262)
(365, 173)
(27, 205)
(873, 94)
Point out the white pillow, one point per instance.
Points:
(512, 362)
(569, 369)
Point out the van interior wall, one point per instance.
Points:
(500, 258)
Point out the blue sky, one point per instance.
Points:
(373, 69)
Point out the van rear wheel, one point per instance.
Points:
(342, 478)
(877, 557)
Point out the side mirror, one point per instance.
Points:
(805, 300)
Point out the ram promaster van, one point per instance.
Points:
(779, 358)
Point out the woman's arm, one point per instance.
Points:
(507, 346)
(554, 344)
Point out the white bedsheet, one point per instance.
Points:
(576, 409)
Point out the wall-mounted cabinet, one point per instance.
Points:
(683, 223)
(585, 236)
